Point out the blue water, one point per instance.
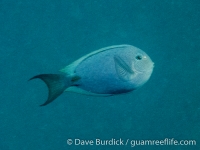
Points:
(43, 36)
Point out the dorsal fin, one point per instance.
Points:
(69, 70)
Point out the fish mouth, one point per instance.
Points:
(148, 68)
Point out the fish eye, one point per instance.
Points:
(138, 57)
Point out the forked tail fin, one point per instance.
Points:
(56, 83)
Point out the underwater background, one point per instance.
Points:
(43, 36)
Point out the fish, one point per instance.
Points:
(109, 71)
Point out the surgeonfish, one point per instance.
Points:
(105, 72)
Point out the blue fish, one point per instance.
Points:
(105, 72)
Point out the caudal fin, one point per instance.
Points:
(56, 84)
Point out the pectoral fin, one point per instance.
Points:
(123, 70)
